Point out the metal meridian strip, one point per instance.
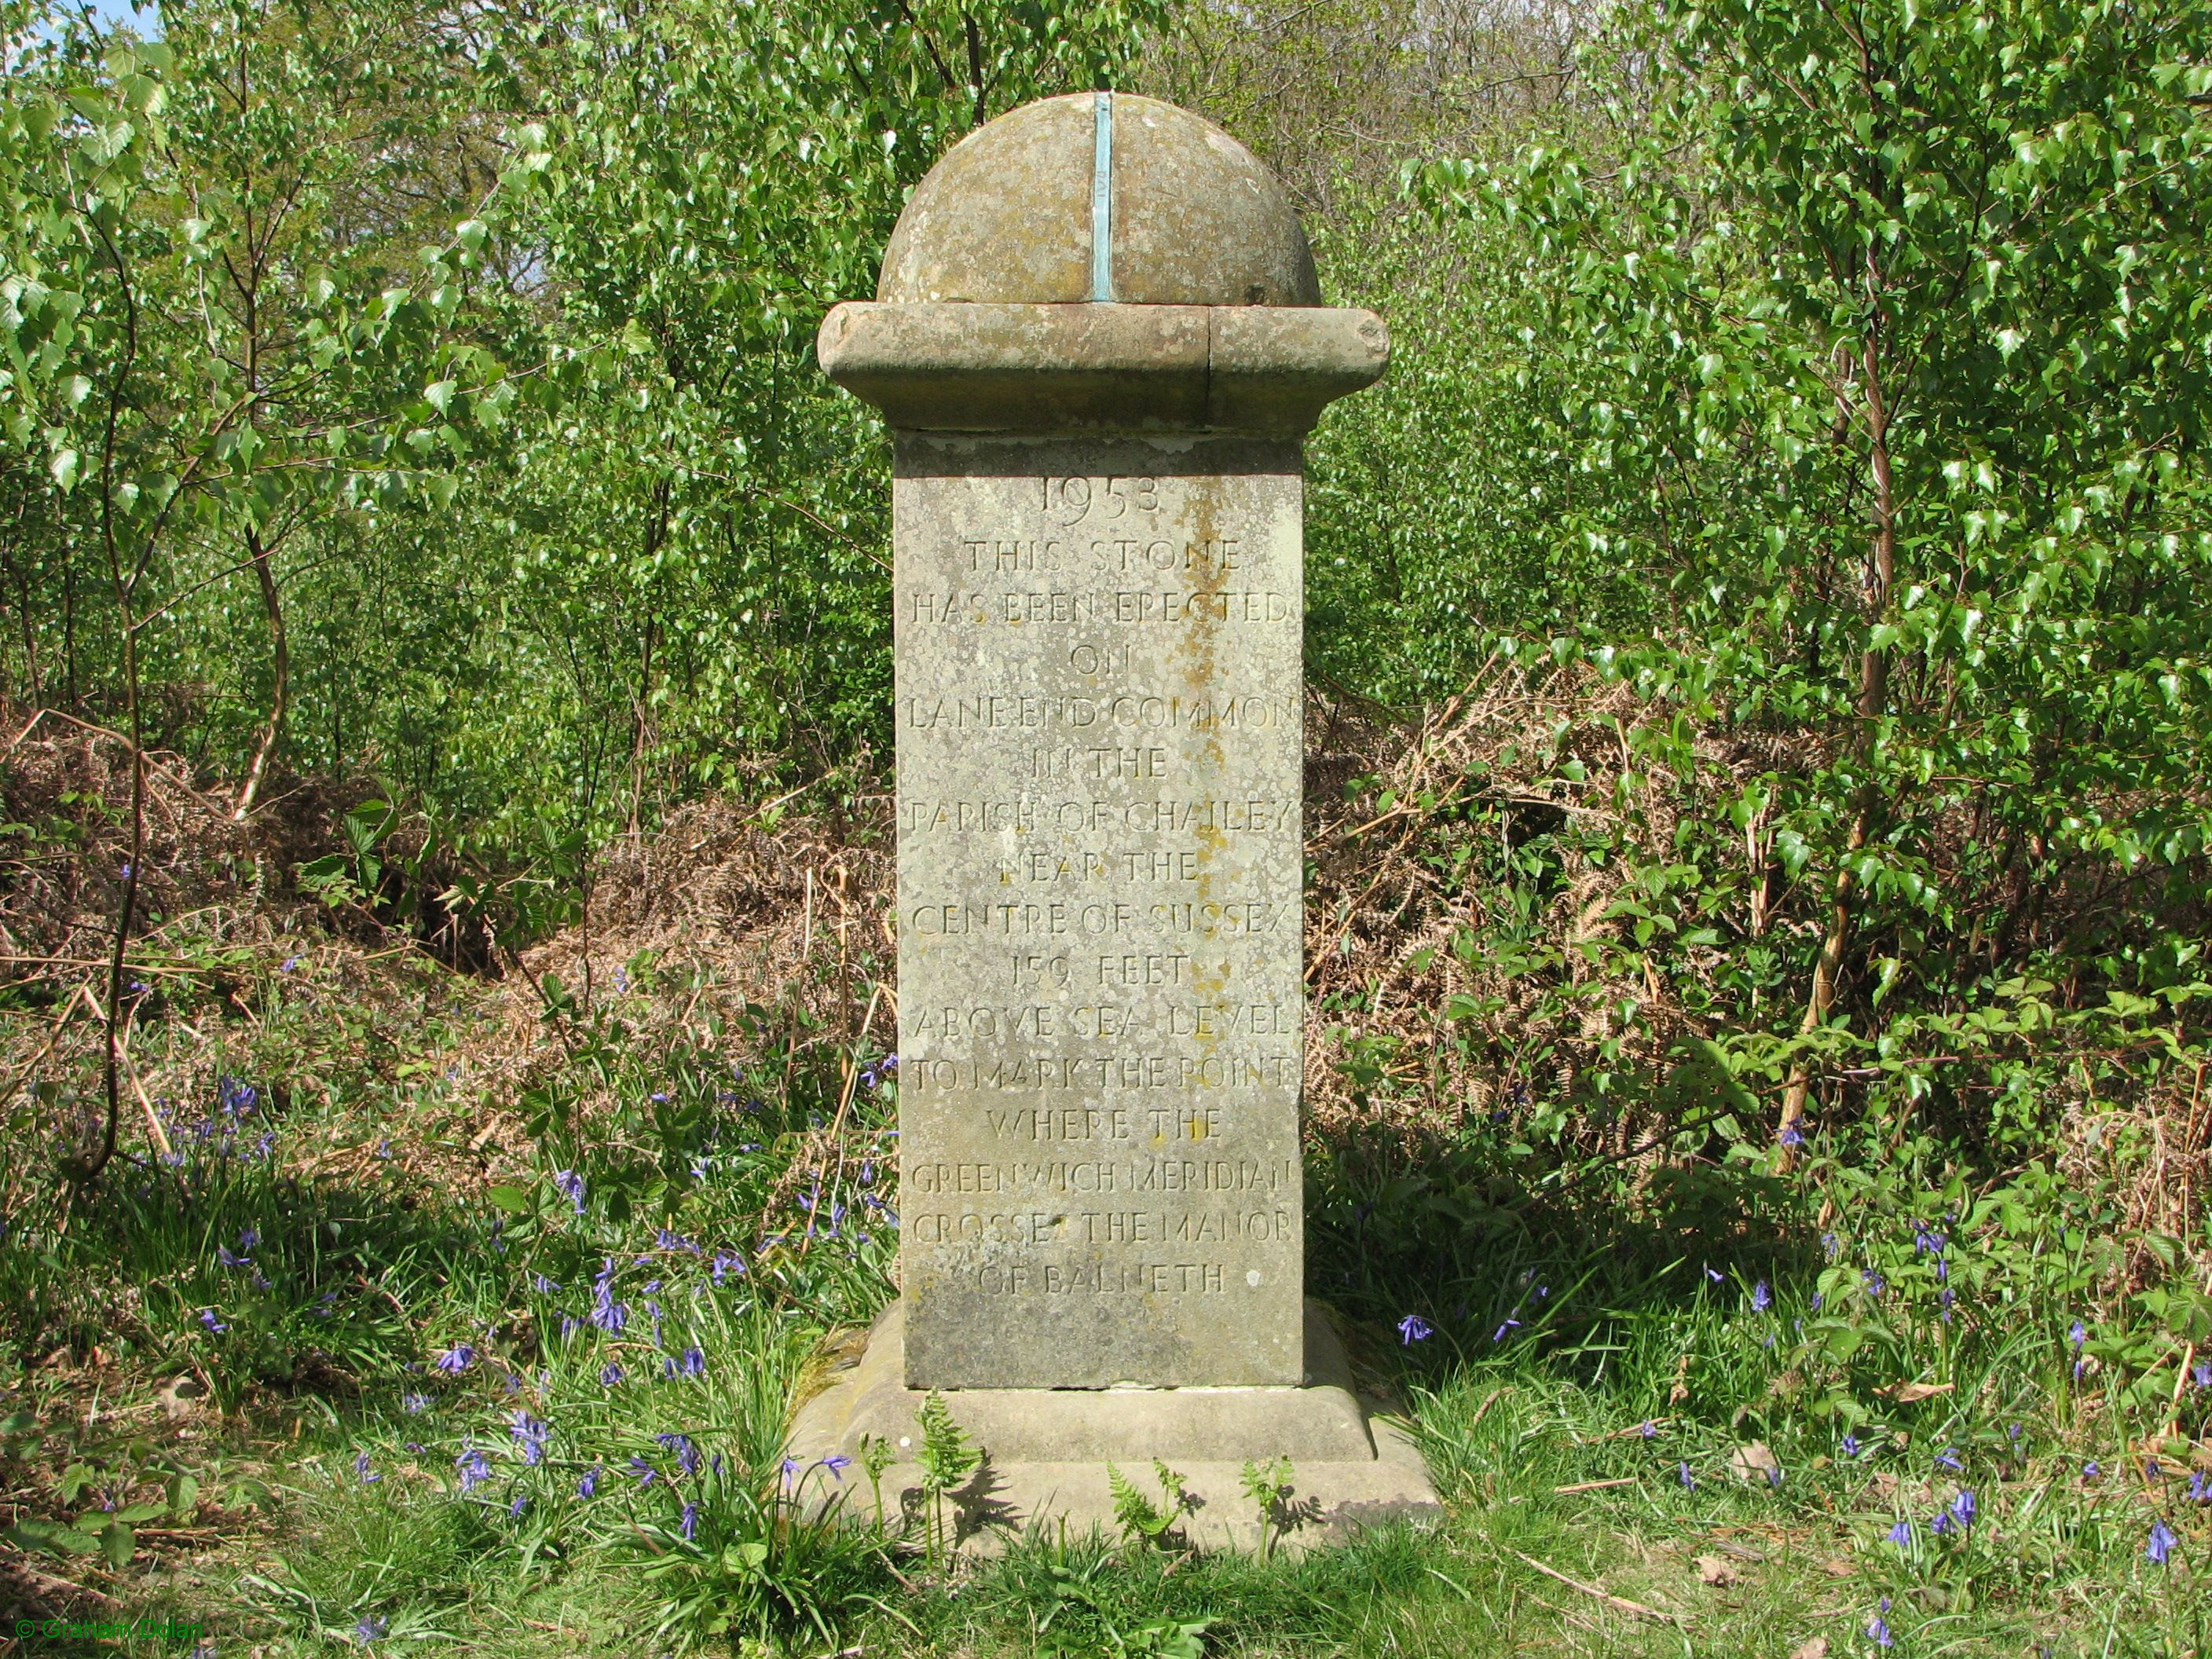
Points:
(1102, 202)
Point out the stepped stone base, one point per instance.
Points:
(1046, 1450)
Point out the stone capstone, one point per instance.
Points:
(1190, 217)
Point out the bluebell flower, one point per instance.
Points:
(414, 1404)
(214, 1325)
(644, 1471)
(1875, 1283)
(2200, 1488)
(726, 1263)
(1817, 1300)
(2077, 1333)
(543, 1286)
(1714, 1273)
(1761, 1298)
(2089, 1470)
(360, 1469)
(1948, 1459)
(1877, 1632)
(2162, 1543)
(570, 1185)
(590, 1484)
(1498, 1335)
(1792, 1135)
(1962, 1508)
(1901, 1534)
(694, 1363)
(569, 1326)
(687, 1454)
(1414, 1329)
(689, 1524)
(610, 1374)
(474, 1467)
(514, 1510)
(1850, 1446)
(530, 1435)
(837, 1466)
(2202, 1372)
(1686, 1478)
(456, 1359)
(369, 1629)
(791, 1468)
(1649, 1429)
(1941, 1523)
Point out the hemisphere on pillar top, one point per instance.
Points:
(1100, 262)
(1100, 196)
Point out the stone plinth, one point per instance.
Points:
(1047, 1451)
(1097, 528)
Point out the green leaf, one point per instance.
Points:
(514, 1199)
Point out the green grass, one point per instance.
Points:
(337, 1486)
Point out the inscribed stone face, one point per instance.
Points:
(1099, 861)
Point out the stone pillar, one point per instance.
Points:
(1099, 343)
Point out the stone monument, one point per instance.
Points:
(1099, 342)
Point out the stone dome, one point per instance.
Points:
(1009, 216)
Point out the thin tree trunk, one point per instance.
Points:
(272, 734)
(1872, 700)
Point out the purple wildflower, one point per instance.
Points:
(1414, 1329)
(530, 1435)
(369, 1628)
(837, 1466)
(1878, 1632)
(687, 1454)
(694, 1362)
(610, 1374)
(360, 1469)
(1948, 1459)
(590, 1484)
(414, 1404)
(571, 1187)
(456, 1359)
(474, 1467)
(1761, 1298)
(1686, 1478)
(1792, 1135)
(514, 1510)
(1498, 1335)
(1649, 1429)
(1962, 1508)
(214, 1325)
(2077, 1333)
(1850, 1446)
(643, 1470)
(2162, 1543)
(688, 1525)
(1901, 1534)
